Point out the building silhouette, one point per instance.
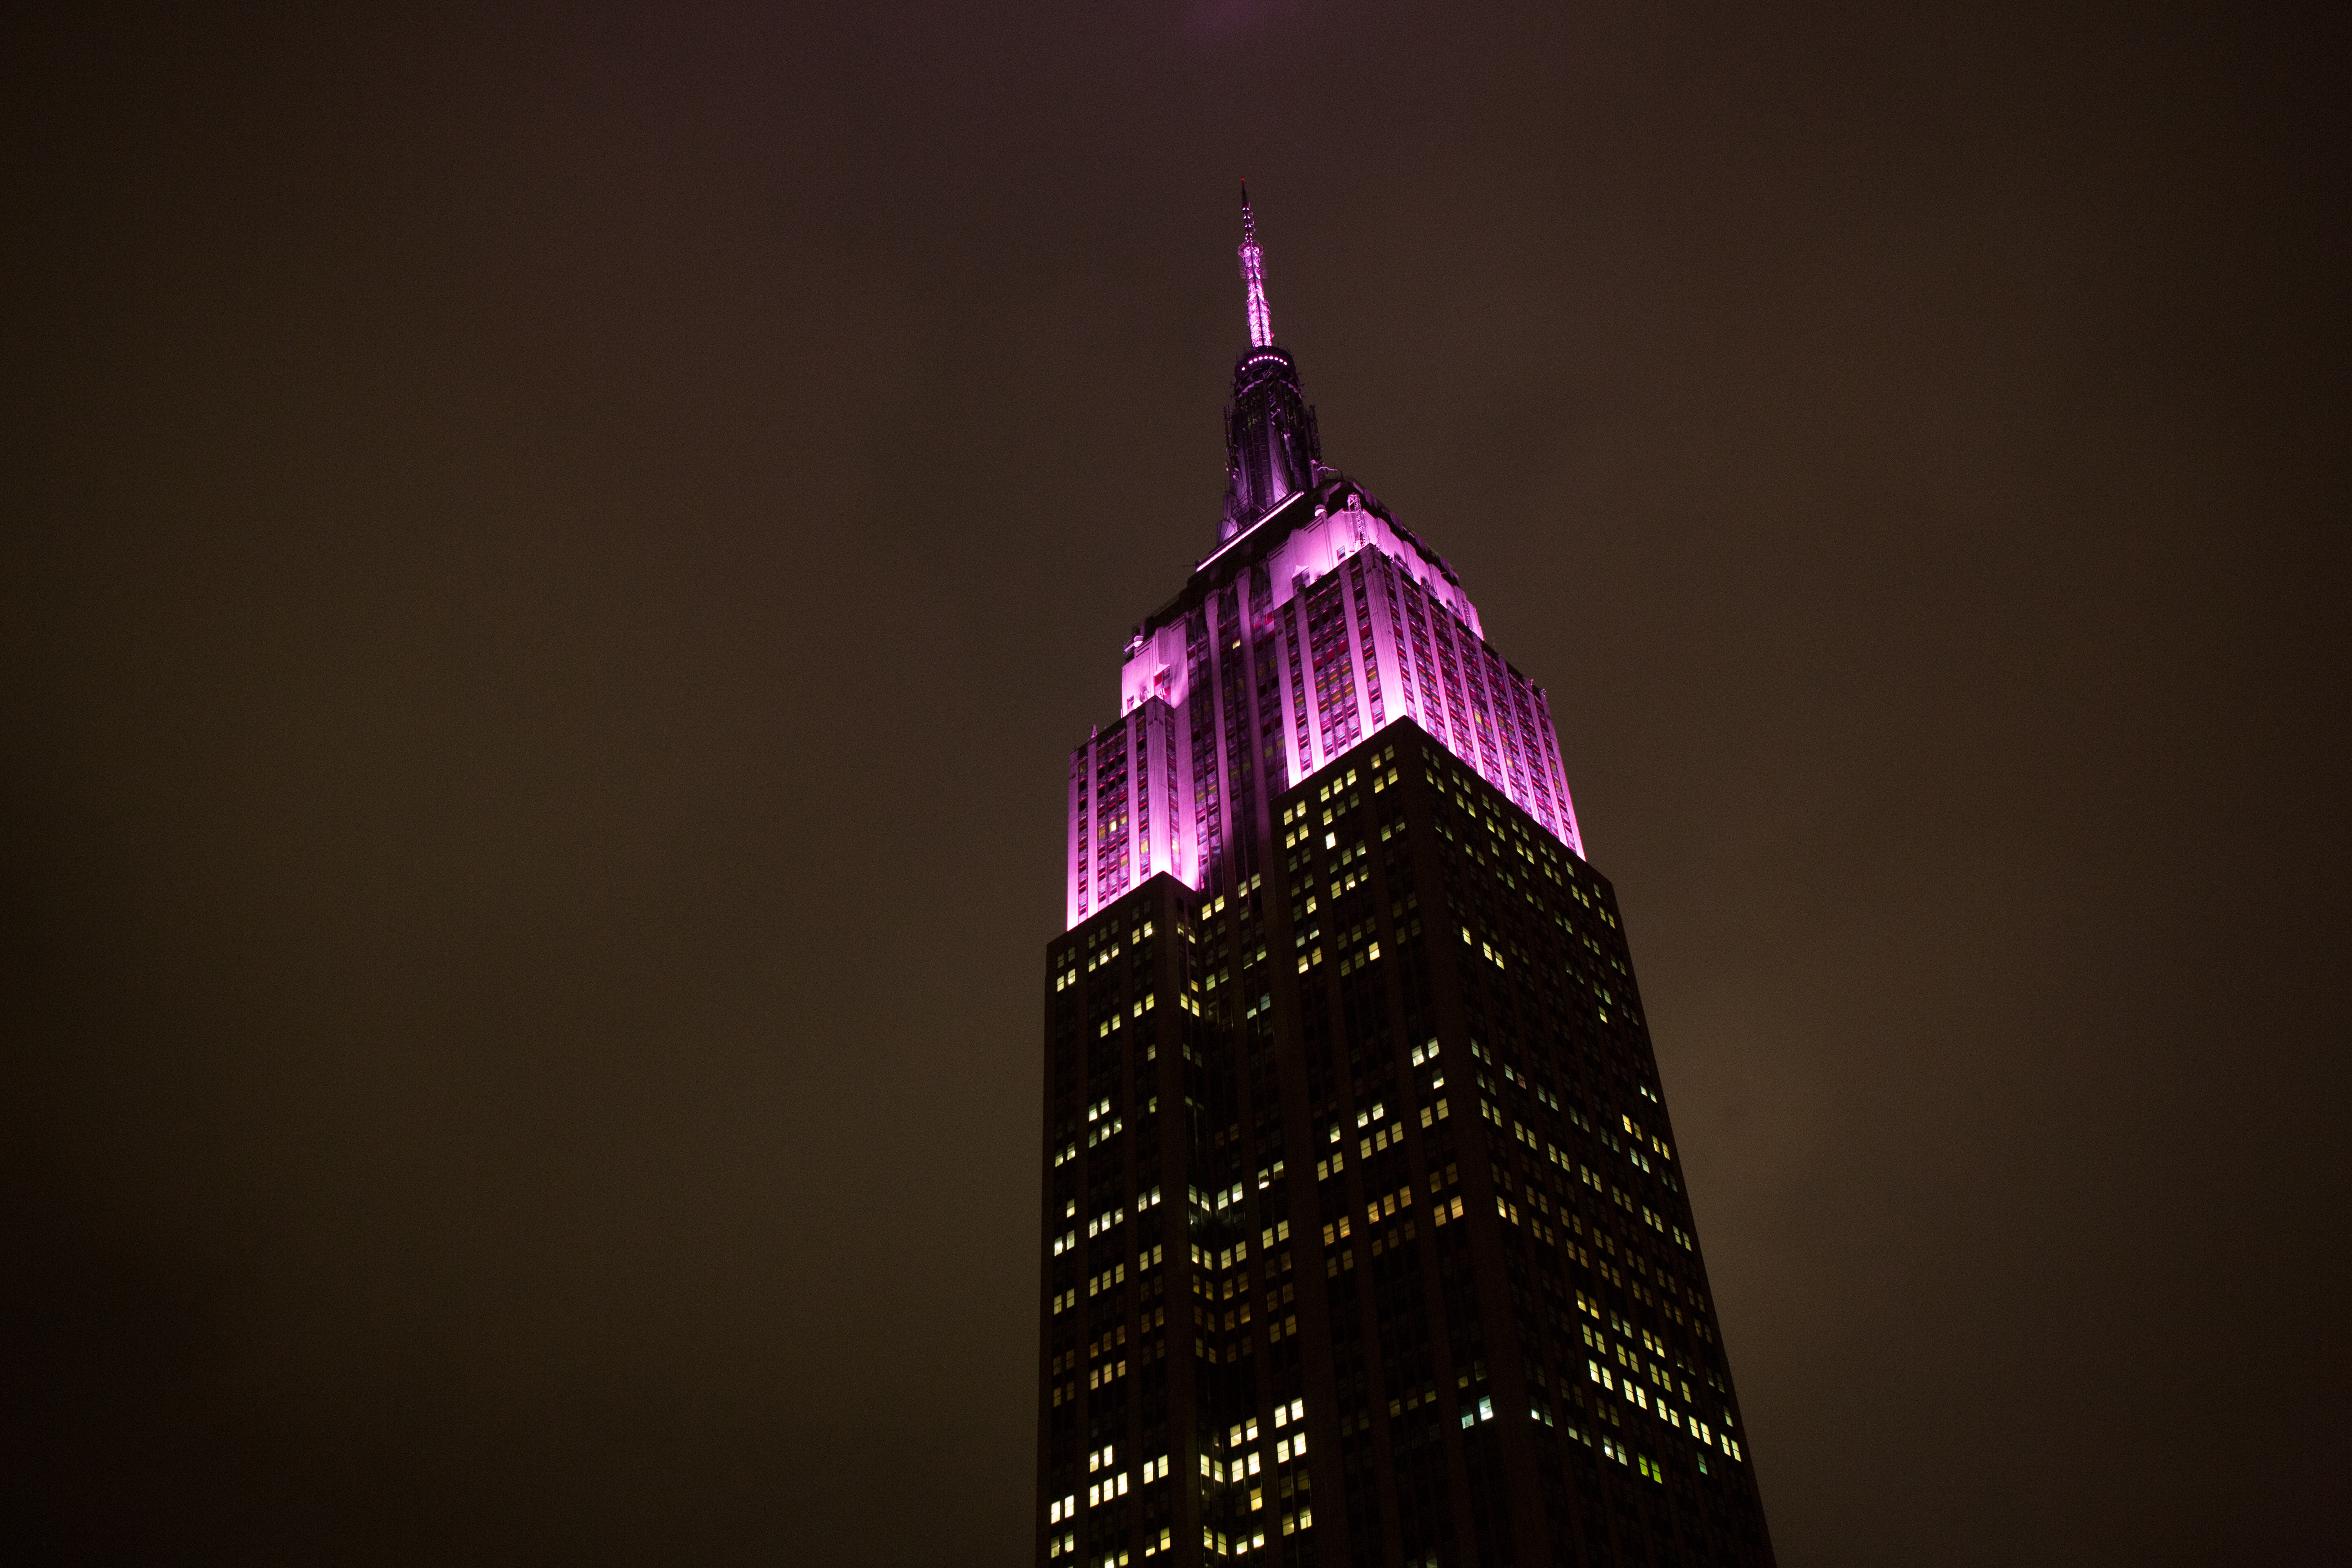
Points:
(1366, 1236)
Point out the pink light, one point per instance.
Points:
(1261, 320)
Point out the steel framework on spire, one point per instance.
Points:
(1261, 320)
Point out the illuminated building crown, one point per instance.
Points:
(1318, 620)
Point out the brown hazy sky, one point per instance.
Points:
(553, 557)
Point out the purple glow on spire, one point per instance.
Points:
(1369, 625)
(1261, 320)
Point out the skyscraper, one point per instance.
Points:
(1366, 1236)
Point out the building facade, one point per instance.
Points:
(1365, 1237)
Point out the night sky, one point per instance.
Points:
(554, 561)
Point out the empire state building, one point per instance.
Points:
(1366, 1238)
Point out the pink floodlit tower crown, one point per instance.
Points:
(1318, 620)
(1261, 320)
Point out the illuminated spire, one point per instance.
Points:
(1261, 321)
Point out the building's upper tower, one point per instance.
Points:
(1271, 449)
(1401, 1333)
(1317, 621)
